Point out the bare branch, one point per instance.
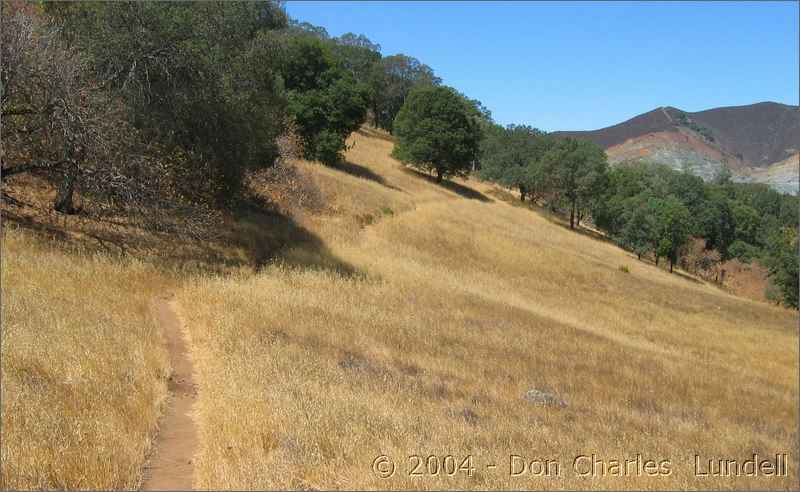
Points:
(34, 166)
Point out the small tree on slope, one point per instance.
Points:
(434, 132)
(637, 233)
(672, 228)
(512, 157)
(577, 171)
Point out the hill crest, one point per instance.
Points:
(748, 140)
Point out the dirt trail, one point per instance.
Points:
(172, 464)
(664, 110)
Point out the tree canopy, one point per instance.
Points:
(391, 82)
(512, 156)
(672, 225)
(201, 79)
(435, 132)
(576, 170)
(325, 100)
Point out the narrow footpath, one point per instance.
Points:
(171, 466)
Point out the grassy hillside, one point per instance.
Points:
(453, 306)
(399, 318)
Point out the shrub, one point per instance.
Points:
(743, 251)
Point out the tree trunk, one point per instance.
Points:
(656, 260)
(438, 175)
(639, 256)
(572, 216)
(521, 193)
(64, 202)
(670, 265)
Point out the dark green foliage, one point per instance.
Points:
(358, 55)
(325, 100)
(482, 121)
(435, 132)
(672, 226)
(306, 60)
(690, 190)
(576, 173)
(743, 251)
(625, 181)
(512, 157)
(717, 222)
(747, 223)
(200, 80)
(639, 225)
(388, 80)
(477, 112)
(650, 224)
(391, 82)
(781, 259)
(213, 84)
(297, 27)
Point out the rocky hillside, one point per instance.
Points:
(759, 142)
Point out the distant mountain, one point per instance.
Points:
(759, 142)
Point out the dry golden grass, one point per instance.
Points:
(403, 318)
(747, 280)
(83, 367)
(425, 326)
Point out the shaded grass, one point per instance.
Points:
(451, 185)
(363, 172)
(254, 232)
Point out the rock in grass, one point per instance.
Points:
(540, 397)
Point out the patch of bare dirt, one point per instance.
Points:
(745, 280)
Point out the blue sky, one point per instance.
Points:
(586, 65)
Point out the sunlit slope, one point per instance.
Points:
(445, 306)
(84, 368)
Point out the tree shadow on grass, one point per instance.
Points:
(583, 231)
(363, 173)
(273, 237)
(686, 276)
(551, 216)
(459, 189)
(253, 235)
(5, 197)
(30, 224)
(375, 133)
